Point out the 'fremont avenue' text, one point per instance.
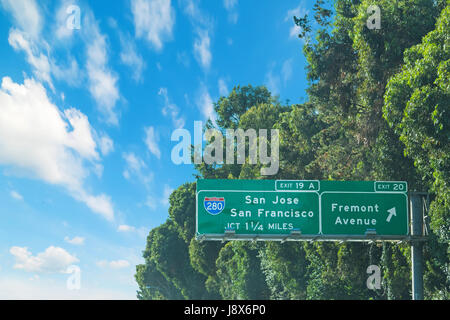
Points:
(336, 207)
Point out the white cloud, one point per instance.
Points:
(153, 20)
(75, 240)
(294, 31)
(223, 89)
(14, 194)
(151, 202)
(38, 55)
(141, 232)
(20, 40)
(115, 264)
(183, 58)
(39, 140)
(136, 168)
(118, 264)
(233, 17)
(203, 29)
(70, 73)
(195, 14)
(272, 82)
(205, 104)
(134, 164)
(26, 14)
(52, 260)
(102, 84)
(202, 48)
(191, 9)
(151, 141)
(286, 70)
(62, 32)
(131, 58)
(101, 79)
(229, 4)
(101, 204)
(298, 11)
(277, 77)
(126, 228)
(171, 109)
(232, 13)
(106, 145)
(166, 194)
(154, 201)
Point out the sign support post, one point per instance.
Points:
(416, 206)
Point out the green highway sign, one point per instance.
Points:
(301, 209)
(256, 212)
(356, 213)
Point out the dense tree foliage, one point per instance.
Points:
(378, 109)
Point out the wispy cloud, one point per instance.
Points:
(171, 110)
(136, 168)
(131, 58)
(183, 58)
(151, 141)
(166, 194)
(114, 264)
(102, 80)
(15, 195)
(298, 11)
(125, 228)
(78, 241)
(38, 55)
(106, 145)
(202, 48)
(154, 201)
(153, 20)
(60, 23)
(205, 104)
(223, 88)
(202, 25)
(277, 77)
(20, 40)
(151, 202)
(272, 81)
(27, 15)
(26, 36)
(287, 70)
(230, 6)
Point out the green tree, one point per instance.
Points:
(230, 109)
(284, 267)
(182, 210)
(417, 106)
(239, 272)
(166, 255)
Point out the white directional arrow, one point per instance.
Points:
(392, 212)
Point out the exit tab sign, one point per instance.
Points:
(297, 185)
(301, 209)
(384, 186)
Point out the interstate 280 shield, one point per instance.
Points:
(214, 205)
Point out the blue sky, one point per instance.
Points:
(86, 116)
